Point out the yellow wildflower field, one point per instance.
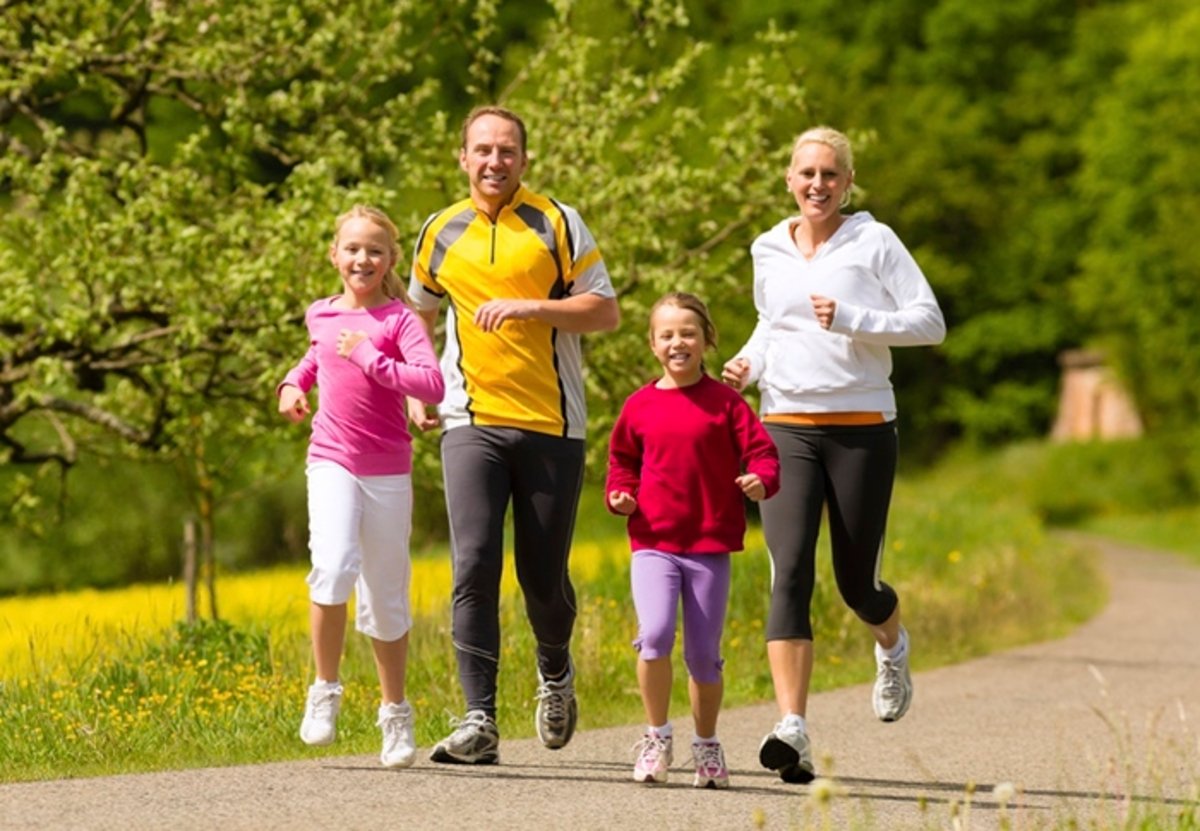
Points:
(55, 634)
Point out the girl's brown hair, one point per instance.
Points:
(690, 303)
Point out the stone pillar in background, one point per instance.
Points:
(1092, 404)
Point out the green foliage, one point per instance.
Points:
(217, 642)
(125, 526)
(193, 694)
(1139, 276)
(169, 174)
(1165, 529)
(1074, 483)
(195, 157)
(969, 171)
(115, 521)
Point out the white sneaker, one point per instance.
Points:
(709, 759)
(786, 749)
(399, 748)
(893, 683)
(319, 726)
(654, 754)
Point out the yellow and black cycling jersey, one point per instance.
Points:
(525, 374)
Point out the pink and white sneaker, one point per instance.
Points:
(709, 759)
(654, 758)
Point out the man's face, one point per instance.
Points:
(493, 160)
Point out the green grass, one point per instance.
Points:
(1171, 530)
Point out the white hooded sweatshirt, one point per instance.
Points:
(883, 300)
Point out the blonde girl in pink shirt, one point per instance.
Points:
(368, 351)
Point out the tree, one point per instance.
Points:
(171, 172)
(1139, 278)
(966, 123)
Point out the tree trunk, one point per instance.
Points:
(208, 553)
(189, 567)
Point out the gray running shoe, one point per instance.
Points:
(557, 710)
(475, 741)
(786, 750)
(893, 684)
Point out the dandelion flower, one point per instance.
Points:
(822, 790)
(1004, 792)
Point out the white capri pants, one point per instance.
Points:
(358, 533)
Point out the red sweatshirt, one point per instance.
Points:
(678, 452)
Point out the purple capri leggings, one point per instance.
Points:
(660, 581)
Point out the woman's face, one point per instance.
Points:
(817, 181)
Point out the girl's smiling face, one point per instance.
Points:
(362, 254)
(678, 342)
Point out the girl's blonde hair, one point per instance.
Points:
(393, 286)
(690, 303)
(835, 140)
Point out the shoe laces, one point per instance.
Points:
(473, 721)
(394, 721)
(650, 749)
(708, 758)
(556, 695)
(892, 685)
(395, 734)
(321, 702)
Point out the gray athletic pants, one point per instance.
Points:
(486, 468)
(849, 470)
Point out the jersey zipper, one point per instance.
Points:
(493, 262)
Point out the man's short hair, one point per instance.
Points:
(493, 109)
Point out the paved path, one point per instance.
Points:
(1084, 726)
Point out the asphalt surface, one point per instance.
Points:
(1087, 728)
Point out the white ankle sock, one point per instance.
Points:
(899, 648)
(795, 720)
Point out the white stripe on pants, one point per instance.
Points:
(358, 530)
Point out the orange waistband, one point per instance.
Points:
(825, 418)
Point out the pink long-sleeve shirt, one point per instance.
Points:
(362, 420)
(678, 452)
